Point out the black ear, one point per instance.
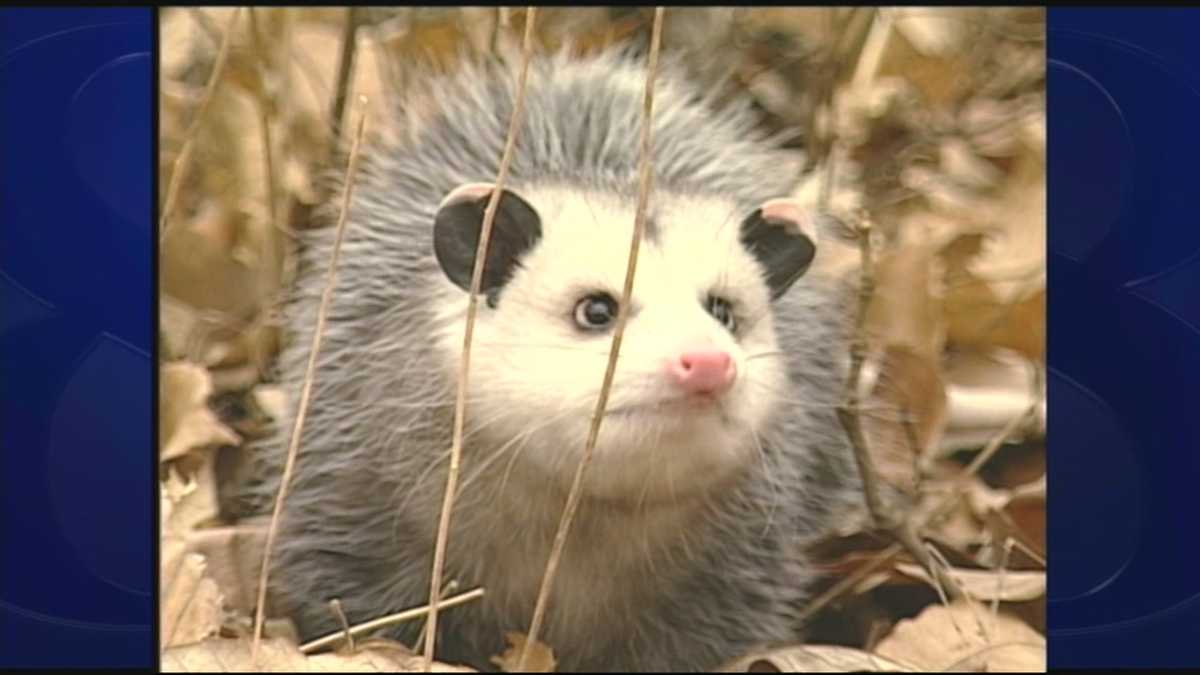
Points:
(457, 226)
(783, 239)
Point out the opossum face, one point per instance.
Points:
(699, 372)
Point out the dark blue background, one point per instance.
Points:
(77, 530)
(1124, 337)
(77, 327)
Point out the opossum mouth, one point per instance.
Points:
(681, 409)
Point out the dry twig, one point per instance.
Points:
(389, 620)
(345, 70)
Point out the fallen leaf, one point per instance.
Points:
(273, 401)
(934, 31)
(985, 390)
(1004, 585)
(903, 310)
(185, 421)
(905, 414)
(541, 657)
(281, 656)
(234, 561)
(815, 659)
(190, 605)
(192, 488)
(965, 636)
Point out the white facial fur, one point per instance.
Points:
(535, 375)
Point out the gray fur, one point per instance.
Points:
(361, 514)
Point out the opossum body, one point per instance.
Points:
(720, 454)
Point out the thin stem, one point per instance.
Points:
(389, 620)
(848, 410)
(345, 70)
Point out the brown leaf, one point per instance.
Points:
(995, 286)
(958, 161)
(965, 636)
(1004, 585)
(934, 31)
(958, 527)
(185, 421)
(281, 656)
(903, 311)
(191, 487)
(272, 400)
(190, 603)
(978, 318)
(815, 659)
(985, 390)
(541, 657)
(234, 557)
(905, 414)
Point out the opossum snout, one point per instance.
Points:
(702, 370)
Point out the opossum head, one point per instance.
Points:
(699, 371)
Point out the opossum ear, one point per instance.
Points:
(456, 230)
(783, 237)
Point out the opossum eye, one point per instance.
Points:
(596, 311)
(722, 311)
(783, 239)
(457, 226)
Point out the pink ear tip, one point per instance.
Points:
(466, 192)
(789, 210)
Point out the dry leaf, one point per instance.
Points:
(935, 31)
(541, 657)
(815, 659)
(273, 401)
(190, 604)
(234, 560)
(903, 311)
(1004, 585)
(985, 390)
(957, 159)
(185, 421)
(959, 528)
(281, 656)
(965, 636)
(192, 488)
(905, 414)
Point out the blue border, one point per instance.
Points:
(1123, 336)
(77, 331)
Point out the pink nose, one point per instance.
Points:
(704, 370)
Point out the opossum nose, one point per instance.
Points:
(704, 370)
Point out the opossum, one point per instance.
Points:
(720, 454)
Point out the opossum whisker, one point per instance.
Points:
(772, 483)
(517, 451)
(767, 354)
(418, 483)
(564, 412)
